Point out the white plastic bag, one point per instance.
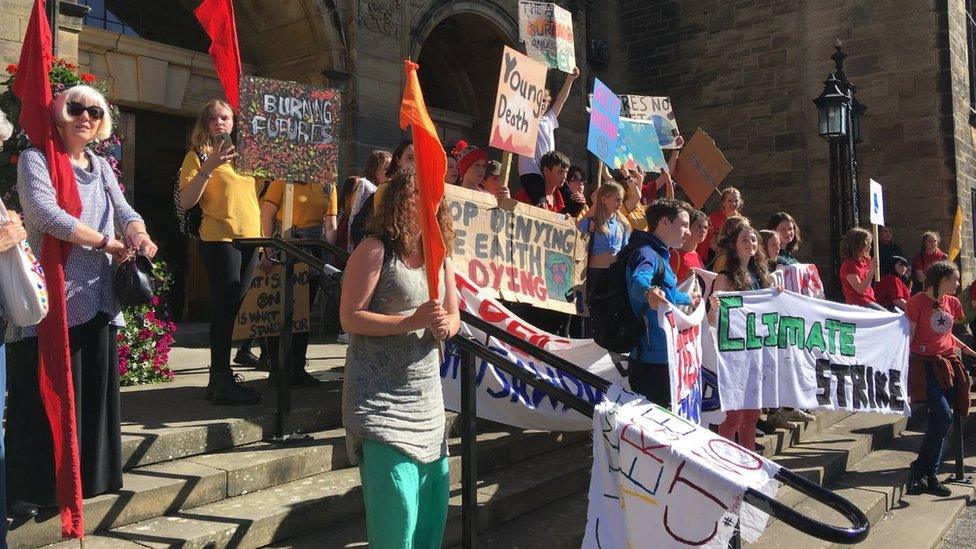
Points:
(23, 292)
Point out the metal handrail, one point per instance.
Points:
(471, 348)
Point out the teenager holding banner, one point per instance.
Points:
(230, 210)
(555, 166)
(530, 167)
(472, 163)
(651, 284)
(392, 404)
(746, 269)
(857, 268)
(936, 374)
(608, 229)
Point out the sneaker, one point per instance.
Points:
(343, 338)
(779, 420)
(245, 357)
(936, 488)
(226, 389)
(797, 415)
(917, 483)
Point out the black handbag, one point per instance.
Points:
(133, 281)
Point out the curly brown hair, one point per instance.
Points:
(739, 274)
(397, 222)
(854, 243)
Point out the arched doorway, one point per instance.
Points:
(460, 83)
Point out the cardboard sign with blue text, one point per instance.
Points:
(547, 31)
(604, 123)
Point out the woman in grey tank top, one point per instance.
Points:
(392, 406)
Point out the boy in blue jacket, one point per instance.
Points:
(651, 283)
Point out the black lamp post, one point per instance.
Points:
(840, 115)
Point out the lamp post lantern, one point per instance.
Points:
(840, 115)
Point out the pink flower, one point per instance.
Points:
(145, 334)
(151, 316)
(124, 350)
(155, 301)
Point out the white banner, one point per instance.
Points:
(802, 278)
(661, 481)
(511, 401)
(783, 349)
(683, 335)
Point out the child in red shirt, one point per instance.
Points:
(936, 374)
(893, 290)
(857, 268)
(929, 255)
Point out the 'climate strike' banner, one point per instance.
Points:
(288, 131)
(683, 335)
(547, 31)
(514, 251)
(518, 105)
(661, 481)
(508, 400)
(783, 349)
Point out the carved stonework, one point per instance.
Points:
(381, 16)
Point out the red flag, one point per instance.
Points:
(431, 163)
(217, 19)
(33, 86)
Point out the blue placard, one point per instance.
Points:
(638, 144)
(604, 122)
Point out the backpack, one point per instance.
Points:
(615, 326)
(188, 221)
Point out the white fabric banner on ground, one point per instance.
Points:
(661, 481)
(783, 349)
(683, 335)
(511, 401)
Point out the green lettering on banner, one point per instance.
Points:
(831, 326)
(791, 331)
(726, 343)
(770, 320)
(752, 342)
(815, 339)
(847, 331)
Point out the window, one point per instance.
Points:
(164, 21)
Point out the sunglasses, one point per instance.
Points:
(94, 112)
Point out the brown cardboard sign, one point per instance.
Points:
(516, 251)
(701, 168)
(262, 313)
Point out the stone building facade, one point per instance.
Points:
(743, 70)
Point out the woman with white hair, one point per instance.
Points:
(11, 233)
(81, 116)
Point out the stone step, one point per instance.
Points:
(557, 524)
(303, 506)
(159, 489)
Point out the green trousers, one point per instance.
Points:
(406, 501)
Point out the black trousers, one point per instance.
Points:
(95, 377)
(651, 380)
(229, 270)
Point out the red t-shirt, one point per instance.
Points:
(556, 205)
(890, 288)
(715, 221)
(933, 327)
(683, 262)
(923, 260)
(860, 268)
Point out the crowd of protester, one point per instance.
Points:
(392, 405)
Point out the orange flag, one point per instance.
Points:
(431, 163)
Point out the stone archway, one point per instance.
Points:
(460, 83)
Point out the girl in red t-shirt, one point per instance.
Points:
(729, 206)
(929, 255)
(857, 268)
(893, 290)
(936, 374)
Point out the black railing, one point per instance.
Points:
(471, 350)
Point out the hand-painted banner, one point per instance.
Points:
(288, 131)
(657, 110)
(510, 401)
(659, 480)
(547, 31)
(261, 312)
(683, 335)
(518, 103)
(783, 349)
(638, 146)
(604, 121)
(801, 278)
(514, 251)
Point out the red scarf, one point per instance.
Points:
(33, 87)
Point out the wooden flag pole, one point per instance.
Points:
(877, 254)
(506, 167)
(289, 205)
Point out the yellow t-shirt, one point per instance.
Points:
(310, 203)
(636, 217)
(378, 197)
(229, 202)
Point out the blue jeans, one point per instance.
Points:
(940, 420)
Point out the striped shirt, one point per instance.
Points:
(87, 271)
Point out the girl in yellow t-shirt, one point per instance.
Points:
(230, 210)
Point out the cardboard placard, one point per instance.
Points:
(638, 146)
(877, 204)
(262, 311)
(604, 120)
(514, 251)
(657, 110)
(518, 104)
(701, 168)
(288, 131)
(547, 31)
